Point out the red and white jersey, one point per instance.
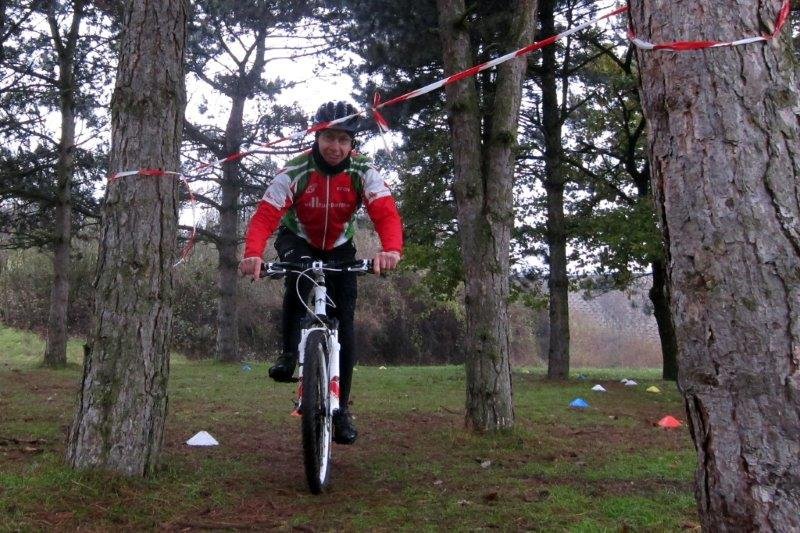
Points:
(321, 208)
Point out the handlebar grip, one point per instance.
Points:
(364, 268)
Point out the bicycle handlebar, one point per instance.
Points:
(279, 269)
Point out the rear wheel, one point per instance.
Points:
(316, 417)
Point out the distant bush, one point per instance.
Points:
(25, 280)
(396, 321)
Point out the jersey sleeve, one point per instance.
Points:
(382, 210)
(274, 204)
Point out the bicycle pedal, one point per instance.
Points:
(298, 409)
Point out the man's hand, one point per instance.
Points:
(251, 265)
(385, 261)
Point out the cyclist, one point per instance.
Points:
(314, 199)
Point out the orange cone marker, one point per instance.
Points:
(669, 422)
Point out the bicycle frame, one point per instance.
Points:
(320, 300)
(320, 315)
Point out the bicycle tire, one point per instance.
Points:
(316, 419)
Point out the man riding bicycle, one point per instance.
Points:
(314, 199)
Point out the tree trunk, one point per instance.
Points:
(483, 190)
(119, 423)
(558, 282)
(55, 354)
(227, 312)
(724, 139)
(659, 296)
(659, 290)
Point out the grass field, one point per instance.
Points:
(606, 468)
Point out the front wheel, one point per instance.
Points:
(316, 416)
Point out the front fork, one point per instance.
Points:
(332, 336)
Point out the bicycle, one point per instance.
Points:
(318, 364)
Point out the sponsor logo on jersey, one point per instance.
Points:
(316, 203)
(274, 196)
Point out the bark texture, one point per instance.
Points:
(55, 354)
(554, 182)
(484, 174)
(227, 266)
(724, 141)
(119, 422)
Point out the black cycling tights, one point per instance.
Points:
(342, 289)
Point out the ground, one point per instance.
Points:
(414, 466)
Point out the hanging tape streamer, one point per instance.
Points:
(679, 46)
(383, 124)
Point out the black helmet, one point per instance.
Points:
(332, 110)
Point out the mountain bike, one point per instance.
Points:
(318, 363)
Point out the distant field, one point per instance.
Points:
(613, 330)
(607, 468)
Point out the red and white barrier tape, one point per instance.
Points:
(383, 125)
(377, 104)
(685, 46)
(494, 62)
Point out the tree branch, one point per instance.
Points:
(582, 168)
(207, 235)
(194, 133)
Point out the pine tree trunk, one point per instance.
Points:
(55, 354)
(554, 181)
(659, 296)
(557, 284)
(483, 191)
(659, 290)
(724, 134)
(227, 311)
(119, 423)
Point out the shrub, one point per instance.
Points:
(397, 321)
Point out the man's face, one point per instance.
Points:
(334, 145)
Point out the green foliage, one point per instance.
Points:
(429, 212)
(46, 72)
(611, 225)
(440, 266)
(531, 297)
(620, 241)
